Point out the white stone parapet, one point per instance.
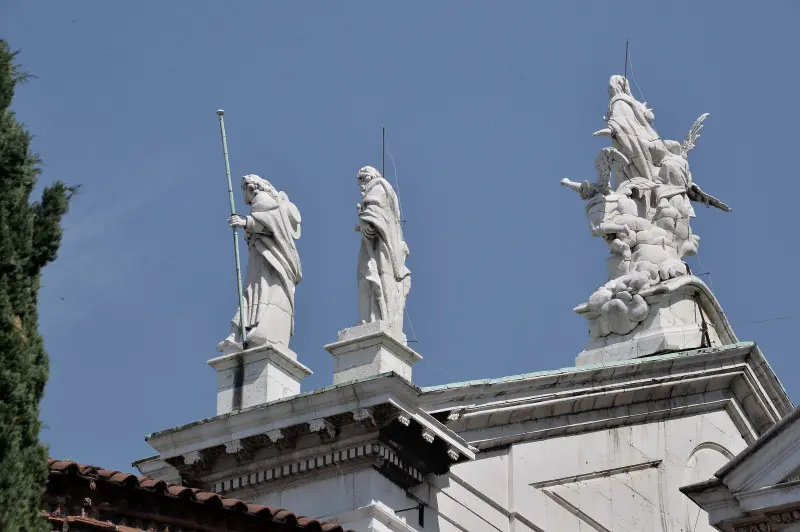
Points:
(368, 350)
(256, 376)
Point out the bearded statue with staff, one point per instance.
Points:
(273, 267)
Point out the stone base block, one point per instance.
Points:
(256, 376)
(368, 350)
(683, 315)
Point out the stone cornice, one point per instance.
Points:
(438, 398)
(284, 413)
(767, 467)
(767, 461)
(303, 410)
(259, 462)
(291, 435)
(769, 497)
(774, 521)
(603, 419)
(372, 453)
(734, 378)
(765, 507)
(769, 382)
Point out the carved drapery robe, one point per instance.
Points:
(632, 134)
(273, 271)
(383, 278)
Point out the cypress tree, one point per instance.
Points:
(30, 234)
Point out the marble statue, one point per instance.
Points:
(383, 278)
(643, 212)
(273, 266)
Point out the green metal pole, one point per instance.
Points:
(235, 232)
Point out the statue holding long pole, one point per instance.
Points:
(266, 298)
(242, 327)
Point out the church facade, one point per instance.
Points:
(661, 400)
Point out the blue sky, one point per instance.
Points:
(487, 106)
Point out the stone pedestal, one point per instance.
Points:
(368, 350)
(256, 376)
(683, 314)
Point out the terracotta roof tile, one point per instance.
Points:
(68, 467)
(235, 504)
(285, 517)
(261, 511)
(310, 524)
(181, 491)
(152, 484)
(63, 466)
(208, 497)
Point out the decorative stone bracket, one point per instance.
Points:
(240, 450)
(774, 522)
(364, 416)
(376, 453)
(193, 458)
(323, 428)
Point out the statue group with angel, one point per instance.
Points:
(640, 205)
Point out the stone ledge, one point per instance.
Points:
(366, 329)
(368, 350)
(387, 396)
(380, 338)
(281, 356)
(256, 376)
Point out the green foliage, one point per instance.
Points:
(30, 234)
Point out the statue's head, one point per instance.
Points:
(367, 174)
(618, 85)
(252, 185)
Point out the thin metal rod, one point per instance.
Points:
(625, 76)
(383, 151)
(235, 232)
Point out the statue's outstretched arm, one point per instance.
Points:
(695, 193)
(573, 185)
